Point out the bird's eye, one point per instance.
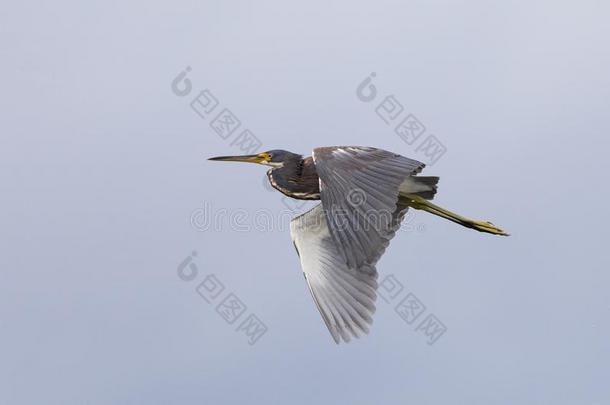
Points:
(265, 156)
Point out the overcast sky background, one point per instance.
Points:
(102, 166)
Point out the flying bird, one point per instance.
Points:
(365, 193)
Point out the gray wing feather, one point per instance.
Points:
(359, 189)
(345, 297)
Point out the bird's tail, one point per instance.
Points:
(420, 203)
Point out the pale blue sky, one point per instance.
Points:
(102, 166)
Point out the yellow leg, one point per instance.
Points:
(420, 203)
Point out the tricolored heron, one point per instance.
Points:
(364, 193)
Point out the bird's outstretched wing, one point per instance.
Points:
(344, 296)
(359, 189)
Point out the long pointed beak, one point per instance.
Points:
(244, 158)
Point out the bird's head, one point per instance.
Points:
(273, 158)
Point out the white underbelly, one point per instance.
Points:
(412, 186)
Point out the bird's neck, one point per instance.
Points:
(296, 178)
(290, 169)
